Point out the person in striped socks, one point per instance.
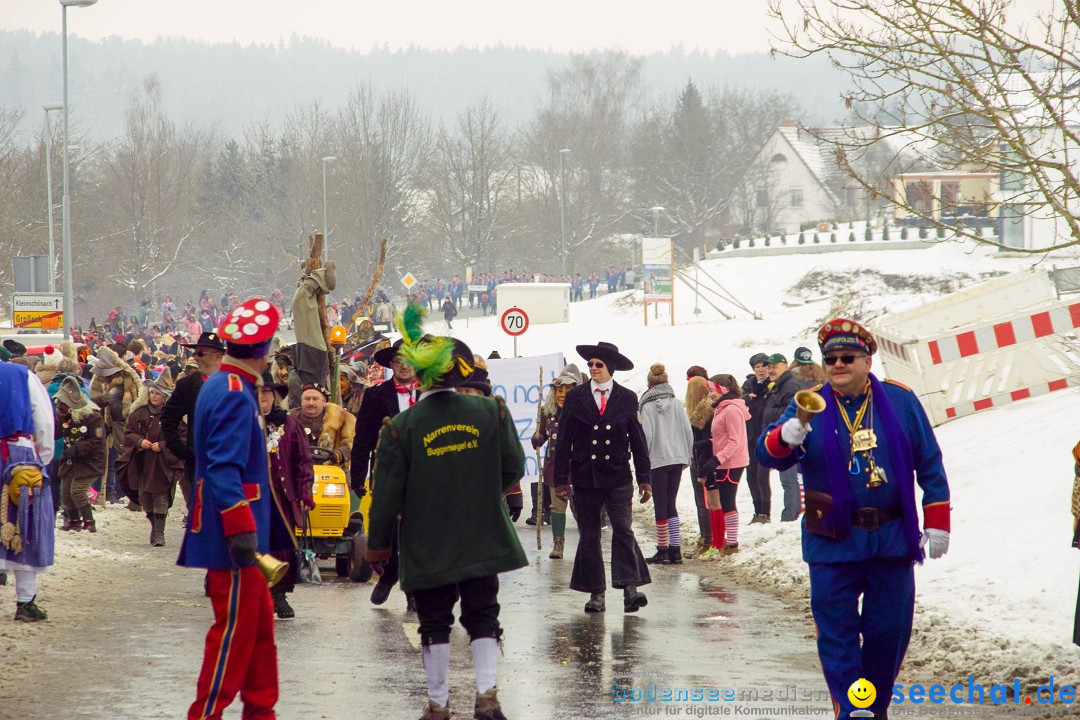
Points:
(730, 456)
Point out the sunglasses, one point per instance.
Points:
(845, 359)
(596, 364)
(204, 353)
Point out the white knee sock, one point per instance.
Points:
(25, 585)
(484, 651)
(437, 669)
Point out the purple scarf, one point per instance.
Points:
(901, 468)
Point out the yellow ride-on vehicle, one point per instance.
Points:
(338, 524)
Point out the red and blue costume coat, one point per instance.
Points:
(232, 492)
(929, 472)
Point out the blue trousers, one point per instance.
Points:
(887, 587)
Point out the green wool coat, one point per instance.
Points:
(443, 466)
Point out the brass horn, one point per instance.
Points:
(808, 404)
(271, 568)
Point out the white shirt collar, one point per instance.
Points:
(602, 386)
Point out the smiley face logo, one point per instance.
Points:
(862, 693)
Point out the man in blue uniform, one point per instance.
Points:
(234, 517)
(860, 458)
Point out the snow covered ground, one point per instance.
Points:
(1000, 604)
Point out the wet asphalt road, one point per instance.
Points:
(343, 658)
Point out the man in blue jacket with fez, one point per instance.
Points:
(861, 457)
(234, 517)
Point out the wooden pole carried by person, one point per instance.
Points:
(540, 469)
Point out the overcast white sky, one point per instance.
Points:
(561, 25)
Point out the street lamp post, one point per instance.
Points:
(562, 205)
(69, 293)
(325, 227)
(49, 107)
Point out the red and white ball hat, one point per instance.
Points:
(248, 329)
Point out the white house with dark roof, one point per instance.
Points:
(796, 179)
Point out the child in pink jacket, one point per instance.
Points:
(731, 456)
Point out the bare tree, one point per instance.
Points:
(148, 196)
(695, 160)
(588, 112)
(472, 180)
(385, 148)
(963, 84)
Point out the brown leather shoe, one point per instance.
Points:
(487, 706)
(436, 712)
(557, 549)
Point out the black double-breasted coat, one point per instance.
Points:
(595, 450)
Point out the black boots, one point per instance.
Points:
(29, 611)
(282, 608)
(662, 557)
(675, 555)
(596, 603)
(633, 599)
(157, 529)
(381, 592)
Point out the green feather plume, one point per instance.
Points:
(431, 357)
(410, 323)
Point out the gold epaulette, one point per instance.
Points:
(898, 384)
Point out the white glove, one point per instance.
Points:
(938, 541)
(793, 432)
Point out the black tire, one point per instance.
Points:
(359, 569)
(341, 566)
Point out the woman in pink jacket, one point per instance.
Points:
(731, 456)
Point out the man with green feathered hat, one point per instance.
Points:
(443, 466)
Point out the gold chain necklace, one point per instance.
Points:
(863, 440)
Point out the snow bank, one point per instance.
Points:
(1000, 604)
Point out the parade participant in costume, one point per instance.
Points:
(547, 433)
(598, 431)
(208, 352)
(236, 514)
(443, 466)
(479, 384)
(292, 476)
(380, 402)
(325, 423)
(85, 457)
(26, 504)
(147, 469)
(114, 388)
(671, 444)
(351, 387)
(860, 458)
(725, 465)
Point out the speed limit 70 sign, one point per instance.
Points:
(514, 322)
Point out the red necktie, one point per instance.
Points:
(603, 400)
(406, 390)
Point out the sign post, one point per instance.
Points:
(408, 281)
(514, 322)
(658, 273)
(37, 310)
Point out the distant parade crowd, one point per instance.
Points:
(207, 398)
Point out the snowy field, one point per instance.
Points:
(1000, 604)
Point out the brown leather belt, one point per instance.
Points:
(873, 518)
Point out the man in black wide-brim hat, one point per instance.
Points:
(598, 432)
